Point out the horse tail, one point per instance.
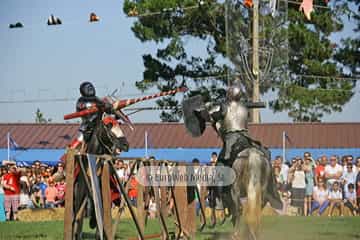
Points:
(254, 194)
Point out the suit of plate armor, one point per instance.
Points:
(230, 120)
(89, 100)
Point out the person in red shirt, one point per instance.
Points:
(320, 169)
(50, 194)
(132, 193)
(11, 184)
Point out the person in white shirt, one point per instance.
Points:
(152, 208)
(120, 171)
(336, 199)
(333, 171)
(348, 177)
(350, 199)
(298, 184)
(284, 169)
(357, 166)
(320, 196)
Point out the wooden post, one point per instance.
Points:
(159, 207)
(140, 204)
(184, 196)
(69, 195)
(255, 59)
(191, 209)
(106, 197)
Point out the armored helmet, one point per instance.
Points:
(87, 89)
(234, 93)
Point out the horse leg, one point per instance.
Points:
(235, 210)
(80, 197)
(236, 190)
(254, 199)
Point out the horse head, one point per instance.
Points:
(107, 138)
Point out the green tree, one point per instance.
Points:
(305, 97)
(39, 117)
(349, 53)
(169, 23)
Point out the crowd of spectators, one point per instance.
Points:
(304, 183)
(325, 183)
(38, 186)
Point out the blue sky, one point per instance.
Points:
(47, 62)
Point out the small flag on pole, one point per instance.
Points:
(13, 144)
(287, 138)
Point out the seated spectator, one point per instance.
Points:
(50, 195)
(348, 176)
(25, 201)
(60, 173)
(132, 192)
(36, 197)
(320, 196)
(350, 199)
(40, 183)
(333, 171)
(120, 171)
(152, 208)
(336, 199)
(60, 187)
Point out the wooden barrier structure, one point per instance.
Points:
(183, 197)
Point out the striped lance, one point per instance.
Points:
(124, 103)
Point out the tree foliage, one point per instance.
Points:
(39, 117)
(171, 23)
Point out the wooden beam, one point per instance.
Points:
(106, 197)
(69, 195)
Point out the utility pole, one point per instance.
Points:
(255, 60)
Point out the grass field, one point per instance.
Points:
(273, 228)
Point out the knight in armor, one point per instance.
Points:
(230, 120)
(89, 100)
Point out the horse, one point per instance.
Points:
(255, 183)
(106, 139)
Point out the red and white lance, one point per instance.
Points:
(120, 104)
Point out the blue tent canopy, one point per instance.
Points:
(52, 156)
